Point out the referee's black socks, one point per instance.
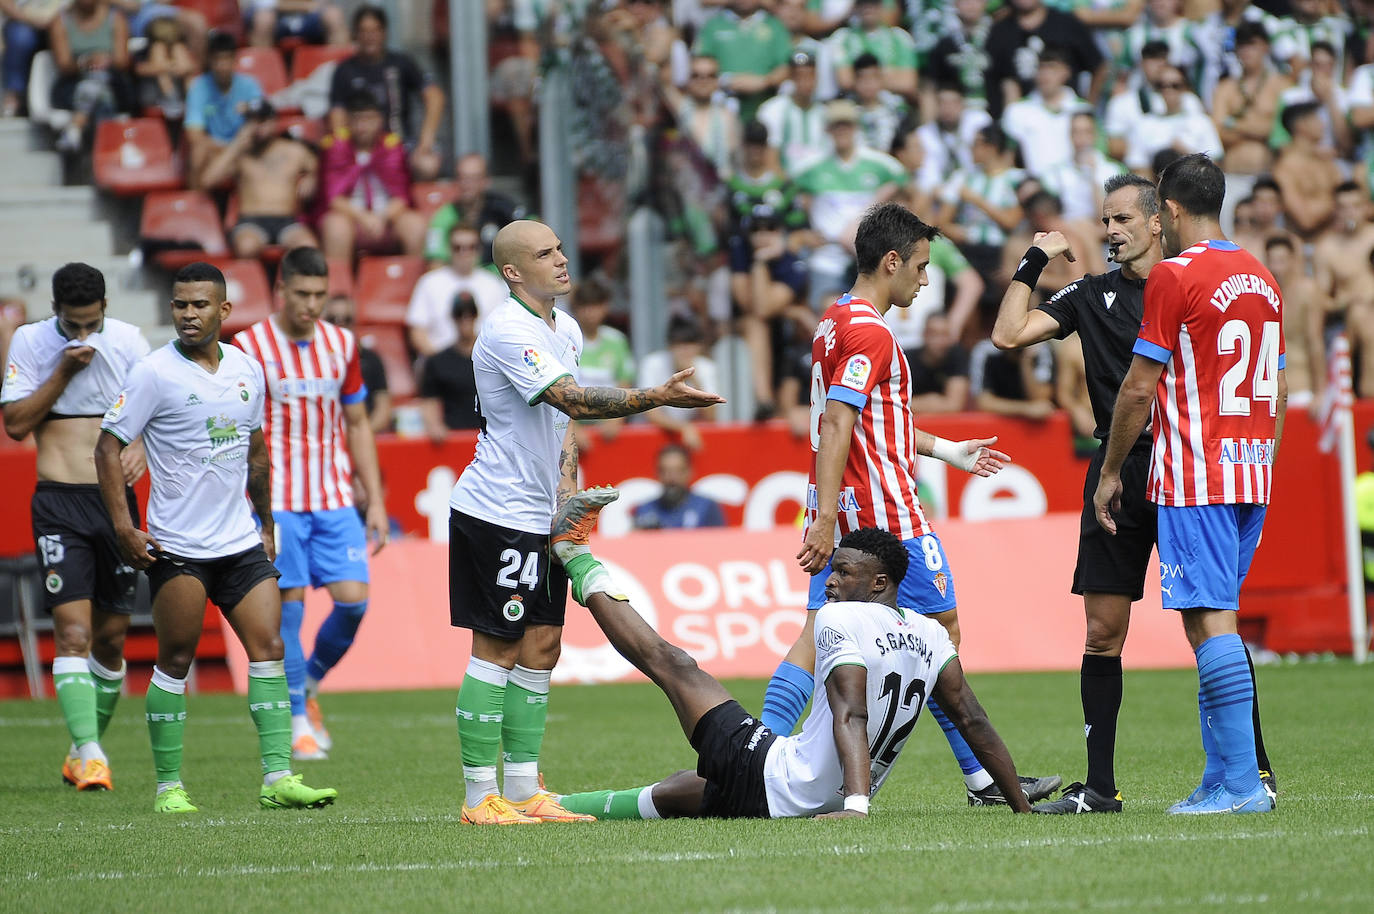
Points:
(1100, 686)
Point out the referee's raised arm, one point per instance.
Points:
(1018, 325)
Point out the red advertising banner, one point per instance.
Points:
(1294, 598)
(736, 600)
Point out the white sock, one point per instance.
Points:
(300, 726)
(109, 675)
(273, 777)
(522, 781)
(647, 809)
(978, 779)
(479, 783)
(164, 786)
(312, 687)
(91, 751)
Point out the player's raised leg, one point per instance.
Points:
(256, 620)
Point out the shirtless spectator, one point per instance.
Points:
(707, 115)
(1306, 172)
(1341, 264)
(1017, 382)
(1321, 83)
(939, 370)
(215, 104)
(365, 190)
(1304, 312)
(1245, 104)
(274, 176)
(397, 83)
(1265, 216)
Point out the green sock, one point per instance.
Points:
(107, 686)
(480, 719)
(166, 713)
(71, 679)
(589, 576)
(606, 804)
(526, 712)
(270, 705)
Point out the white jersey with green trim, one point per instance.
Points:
(196, 428)
(903, 653)
(513, 479)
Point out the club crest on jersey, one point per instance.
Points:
(243, 391)
(856, 372)
(825, 330)
(534, 362)
(941, 583)
(53, 582)
(514, 610)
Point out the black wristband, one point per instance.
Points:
(1032, 263)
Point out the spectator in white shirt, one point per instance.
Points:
(1039, 123)
(686, 349)
(1078, 182)
(429, 319)
(948, 138)
(1177, 128)
(1127, 109)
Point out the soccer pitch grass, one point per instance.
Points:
(393, 841)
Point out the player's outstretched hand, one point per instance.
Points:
(843, 814)
(1053, 244)
(137, 546)
(981, 459)
(1106, 500)
(677, 392)
(378, 526)
(816, 548)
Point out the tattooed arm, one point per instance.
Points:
(567, 467)
(260, 489)
(614, 402)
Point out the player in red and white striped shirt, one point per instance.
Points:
(1209, 366)
(317, 430)
(864, 471)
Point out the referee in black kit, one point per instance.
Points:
(1105, 309)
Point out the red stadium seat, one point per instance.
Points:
(308, 58)
(384, 287)
(263, 64)
(340, 276)
(389, 342)
(188, 216)
(135, 157)
(306, 129)
(246, 282)
(430, 195)
(221, 15)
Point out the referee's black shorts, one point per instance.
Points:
(1117, 564)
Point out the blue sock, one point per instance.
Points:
(292, 615)
(788, 692)
(968, 762)
(335, 638)
(1214, 771)
(1229, 693)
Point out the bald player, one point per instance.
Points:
(502, 582)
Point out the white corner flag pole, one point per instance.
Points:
(1339, 430)
(1354, 570)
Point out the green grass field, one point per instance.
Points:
(393, 841)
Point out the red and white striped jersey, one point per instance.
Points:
(856, 359)
(308, 383)
(1214, 317)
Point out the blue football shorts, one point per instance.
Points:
(928, 587)
(320, 547)
(1205, 553)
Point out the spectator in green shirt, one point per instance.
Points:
(753, 49)
(894, 49)
(606, 358)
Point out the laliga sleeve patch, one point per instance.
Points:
(11, 373)
(856, 372)
(535, 362)
(115, 409)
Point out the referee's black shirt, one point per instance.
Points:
(1105, 309)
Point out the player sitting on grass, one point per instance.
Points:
(877, 661)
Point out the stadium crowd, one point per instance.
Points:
(771, 125)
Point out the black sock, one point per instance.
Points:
(1260, 755)
(1100, 685)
